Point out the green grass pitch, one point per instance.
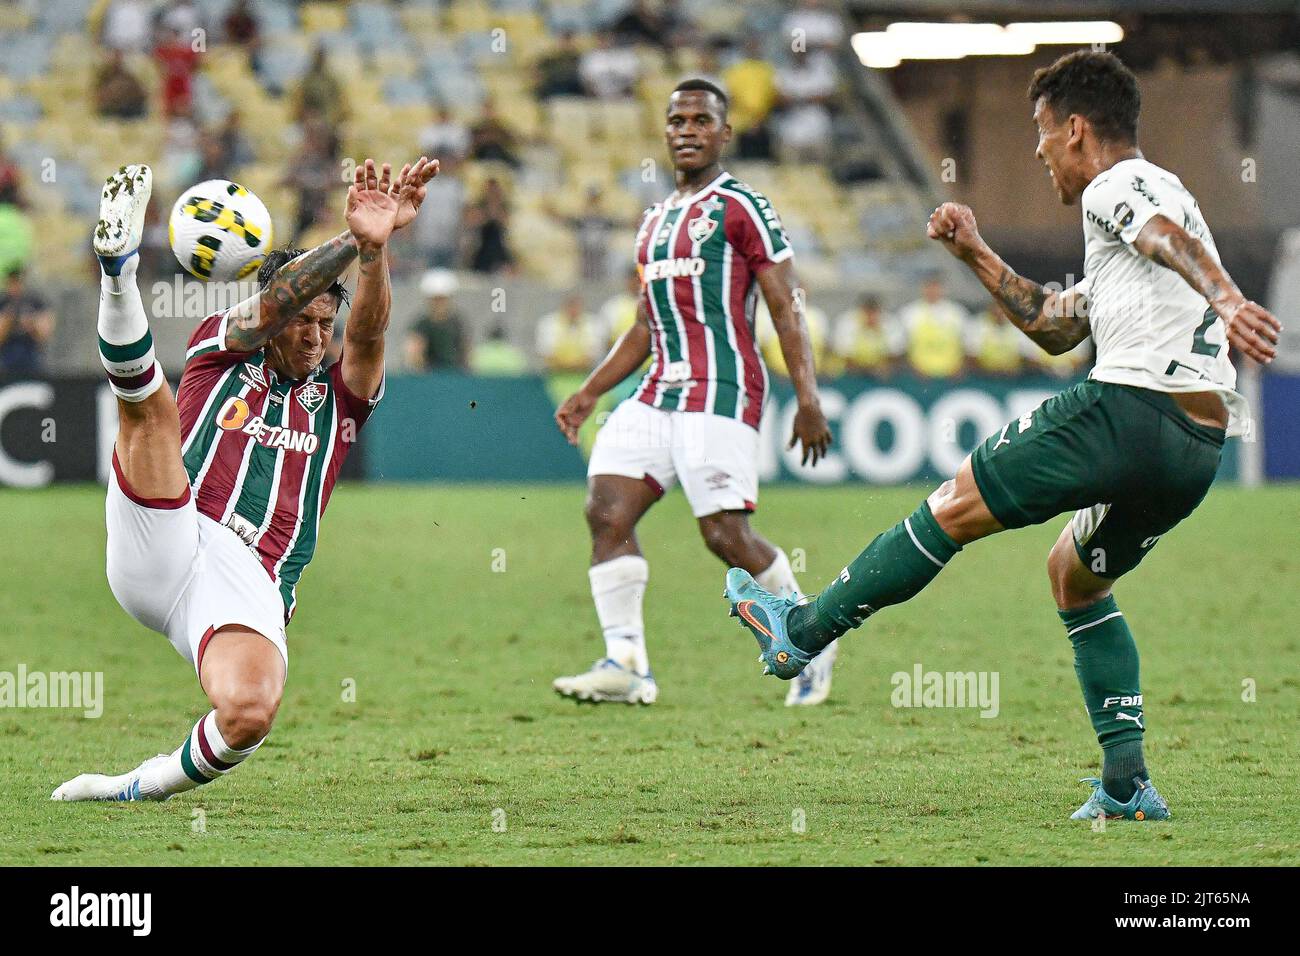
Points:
(456, 751)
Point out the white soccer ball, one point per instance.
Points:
(219, 231)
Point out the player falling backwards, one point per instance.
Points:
(215, 499)
(703, 256)
(1132, 451)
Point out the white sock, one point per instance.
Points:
(125, 343)
(779, 579)
(617, 587)
(203, 757)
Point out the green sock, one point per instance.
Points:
(893, 568)
(1106, 661)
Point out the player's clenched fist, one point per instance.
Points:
(575, 410)
(953, 224)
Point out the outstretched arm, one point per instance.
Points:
(624, 358)
(1251, 328)
(1056, 321)
(785, 304)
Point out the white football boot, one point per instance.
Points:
(608, 680)
(813, 685)
(122, 205)
(98, 786)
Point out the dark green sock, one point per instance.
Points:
(893, 568)
(1106, 662)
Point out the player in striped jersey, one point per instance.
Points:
(215, 498)
(704, 255)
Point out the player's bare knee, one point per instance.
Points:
(607, 521)
(1068, 590)
(245, 714)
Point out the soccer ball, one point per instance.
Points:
(219, 231)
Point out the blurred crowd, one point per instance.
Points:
(932, 337)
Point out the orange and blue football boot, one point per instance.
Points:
(765, 615)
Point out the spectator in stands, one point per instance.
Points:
(446, 138)
(647, 24)
(127, 26)
(490, 138)
(438, 229)
(26, 326)
(178, 61)
(618, 313)
(813, 26)
(807, 88)
(440, 339)
(995, 346)
(181, 157)
(609, 72)
(594, 231)
(118, 93)
(936, 330)
(241, 24)
(497, 355)
(182, 17)
(313, 174)
(16, 239)
(11, 180)
(156, 257)
(242, 28)
(569, 340)
(487, 226)
(751, 81)
(557, 73)
(235, 145)
(867, 341)
(319, 93)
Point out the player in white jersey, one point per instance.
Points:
(1132, 451)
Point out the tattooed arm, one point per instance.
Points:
(1251, 328)
(373, 204)
(1056, 321)
(258, 319)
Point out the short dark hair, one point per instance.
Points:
(1097, 86)
(277, 258)
(700, 85)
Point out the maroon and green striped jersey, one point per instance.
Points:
(264, 449)
(699, 260)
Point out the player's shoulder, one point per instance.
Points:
(1131, 175)
(208, 335)
(731, 186)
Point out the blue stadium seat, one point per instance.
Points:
(20, 108)
(24, 56)
(276, 16)
(399, 91)
(375, 22)
(63, 16)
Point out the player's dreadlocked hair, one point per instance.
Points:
(700, 85)
(1097, 86)
(275, 259)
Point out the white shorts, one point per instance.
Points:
(180, 573)
(715, 458)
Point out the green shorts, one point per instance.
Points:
(1127, 460)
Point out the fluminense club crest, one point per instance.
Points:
(701, 227)
(311, 397)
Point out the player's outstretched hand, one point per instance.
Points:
(813, 432)
(371, 209)
(411, 188)
(953, 224)
(1253, 331)
(575, 410)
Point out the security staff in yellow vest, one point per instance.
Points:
(936, 332)
(866, 341)
(995, 346)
